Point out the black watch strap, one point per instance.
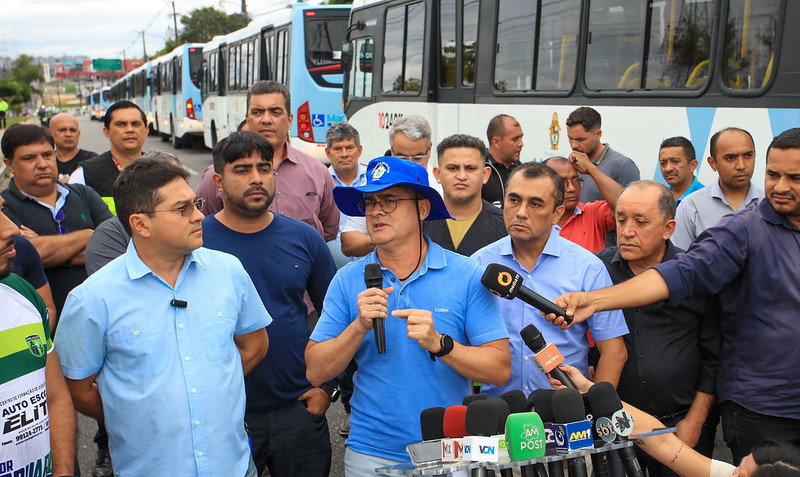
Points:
(331, 391)
(447, 344)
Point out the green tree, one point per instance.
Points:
(14, 92)
(25, 71)
(202, 24)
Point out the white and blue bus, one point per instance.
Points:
(299, 46)
(139, 91)
(653, 69)
(175, 102)
(99, 101)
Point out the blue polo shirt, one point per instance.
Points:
(693, 187)
(752, 260)
(170, 377)
(391, 389)
(562, 267)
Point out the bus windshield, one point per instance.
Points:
(324, 38)
(196, 65)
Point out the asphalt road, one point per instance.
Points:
(196, 159)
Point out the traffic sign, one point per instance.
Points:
(101, 64)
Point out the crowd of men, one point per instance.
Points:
(210, 330)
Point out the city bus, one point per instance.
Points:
(99, 101)
(176, 104)
(299, 46)
(139, 91)
(653, 69)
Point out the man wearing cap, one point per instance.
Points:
(436, 343)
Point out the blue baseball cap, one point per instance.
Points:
(383, 173)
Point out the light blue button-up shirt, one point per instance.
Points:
(170, 377)
(335, 246)
(562, 267)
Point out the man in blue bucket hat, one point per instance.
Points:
(443, 329)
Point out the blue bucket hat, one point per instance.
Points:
(383, 173)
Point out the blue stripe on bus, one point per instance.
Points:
(782, 119)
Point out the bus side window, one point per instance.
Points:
(750, 43)
(403, 48)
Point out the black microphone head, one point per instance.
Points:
(502, 414)
(532, 338)
(474, 397)
(516, 401)
(541, 401)
(481, 418)
(568, 406)
(373, 275)
(501, 280)
(431, 421)
(604, 399)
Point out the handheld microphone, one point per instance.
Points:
(541, 401)
(454, 421)
(605, 402)
(573, 432)
(547, 355)
(516, 400)
(601, 438)
(431, 421)
(525, 436)
(373, 278)
(506, 283)
(435, 447)
(485, 422)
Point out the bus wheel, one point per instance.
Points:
(177, 142)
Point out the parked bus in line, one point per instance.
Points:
(299, 46)
(653, 69)
(175, 103)
(99, 101)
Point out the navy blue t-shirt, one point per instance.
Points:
(283, 260)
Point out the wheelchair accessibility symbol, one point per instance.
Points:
(318, 120)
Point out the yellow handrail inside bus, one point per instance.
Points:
(694, 80)
(628, 80)
(768, 73)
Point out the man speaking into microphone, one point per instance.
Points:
(442, 328)
(549, 265)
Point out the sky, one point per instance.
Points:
(97, 28)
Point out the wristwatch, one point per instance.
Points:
(446, 342)
(331, 391)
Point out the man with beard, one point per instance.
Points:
(284, 257)
(750, 258)
(584, 133)
(31, 377)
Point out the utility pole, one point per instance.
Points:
(144, 47)
(244, 13)
(175, 22)
(124, 63)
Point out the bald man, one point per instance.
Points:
(66, 135)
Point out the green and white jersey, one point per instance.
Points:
(24, 344)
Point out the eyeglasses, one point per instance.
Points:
(388, 204)
(188, 209)
(575, 181)
(60, 216)
(417, 158)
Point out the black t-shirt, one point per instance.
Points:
(67, 168)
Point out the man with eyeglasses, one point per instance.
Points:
(58, 219)
(298, 260)
(158, 341)
(437, 341)
(585, 223)
(409, 139)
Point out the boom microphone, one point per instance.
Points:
(547, 355)
(605, 402)
(506, 283)
(373, 277)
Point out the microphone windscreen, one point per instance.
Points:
(502, 414)
(431, 422)
(604, 399)
(516, 401)
(542, 403)
(373, 275)
(474, 397)
(454, 422)
(501, 280)
(481, 418)
(532, 338)
(568, 406)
